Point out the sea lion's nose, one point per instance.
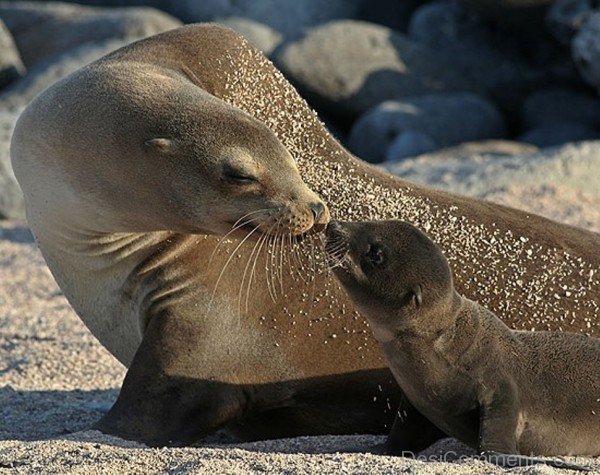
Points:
(317, 210)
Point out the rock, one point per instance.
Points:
(410, 144)
(391, 13)
(487, 148)
(287, 17)
(261, 36)
(525, 17)
(491, 57)
(42, 30)
(11, 198)
(11, 66)
(447, 119)
(565, 17)
(559, 182)
(550, 135)
(557, 105)
(585, 48)
(347, 67)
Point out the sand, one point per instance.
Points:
(55, 380)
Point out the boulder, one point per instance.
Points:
(42, 30)
(525, 17)
(261, 36)
(446, 119)
(347, 67)
(487, 148)
(11, 66)
(11, 198)
(410, 143)
(556, 105)
(585, 48)
(559, 133)
(391, 13)
(491, 57)
(562, 183)
(565, 17)
(287, 17)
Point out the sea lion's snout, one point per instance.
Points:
(333, 229)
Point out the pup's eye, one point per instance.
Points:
(375, 254)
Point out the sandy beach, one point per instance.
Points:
(56, 378)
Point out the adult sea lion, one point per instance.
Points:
(501, 391)
(211, 339)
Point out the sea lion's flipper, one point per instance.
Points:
(498, 422)
(159, 406)
(498, 419)
(512, 461)
(411, 432)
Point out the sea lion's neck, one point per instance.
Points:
(99, 275)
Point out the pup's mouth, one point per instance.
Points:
(336, 246)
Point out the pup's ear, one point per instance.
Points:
(417, 296)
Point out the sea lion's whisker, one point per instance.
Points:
(234, 228)
(262, 240)
(269, 256)
(227, 264)
(244, 275)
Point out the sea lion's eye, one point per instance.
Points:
(238, 177)
(375, 254)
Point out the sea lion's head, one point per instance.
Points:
(148, 150)
(392, 271)
(227, 169)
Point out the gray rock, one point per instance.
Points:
(550, 135)
(448, 119)
(261, 36)
(347, 67)
(287, 17)
(574, 166)
(11, 198)
(42, 30)
(491, 57)
(11, 66)
(391, 13)
(522, 16)
(487, 148)
(585, 48)
(565, 17)
(557, 105)
(410, 143)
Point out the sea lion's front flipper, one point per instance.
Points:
(498, 422)
(160, 402)
(411, 432)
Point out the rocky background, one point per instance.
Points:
(496, 99)
(476, 81)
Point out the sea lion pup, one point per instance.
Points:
(498, 390)
(116, 163)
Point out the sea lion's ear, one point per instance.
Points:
(162, 144)
(417, 296)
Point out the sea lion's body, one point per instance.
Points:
(498, 390)
(203, 361)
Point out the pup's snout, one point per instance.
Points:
(334, 228)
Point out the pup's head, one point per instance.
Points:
(390, 269)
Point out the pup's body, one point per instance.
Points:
(496, 389)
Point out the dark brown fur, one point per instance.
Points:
(496, 389)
